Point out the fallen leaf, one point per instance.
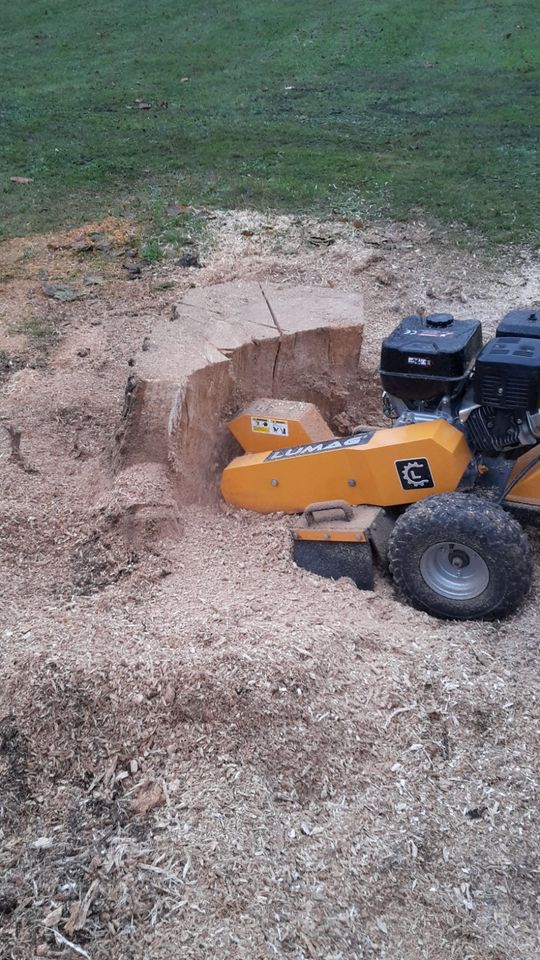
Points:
(82, 244)
(21, 179)
(79, 910)
(375, 240)
(52, 919)
(149, 796)
(169, 694)
(176, 208)
(143, 105)
(42, 843)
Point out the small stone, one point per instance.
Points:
(189, 260)
(8, 902)
(134, 270)
(62, 292)
(386, 278)
(368, 261)
(133, 767)
(83, 352)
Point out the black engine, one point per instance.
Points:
(436, 366)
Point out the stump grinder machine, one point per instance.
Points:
(436, 498)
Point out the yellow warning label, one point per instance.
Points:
(277, 428)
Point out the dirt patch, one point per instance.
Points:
(206, 751)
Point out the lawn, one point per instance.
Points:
(381, 107)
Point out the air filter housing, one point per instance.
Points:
(507, 374)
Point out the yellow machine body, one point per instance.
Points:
(387, 467)
(527, 490)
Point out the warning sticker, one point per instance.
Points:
(277, 428)
(419, 361)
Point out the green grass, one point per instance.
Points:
(152, 250)
(381, 107)
(41, 330)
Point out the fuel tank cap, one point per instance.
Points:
(439, 320)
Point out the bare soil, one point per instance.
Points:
(205, 752)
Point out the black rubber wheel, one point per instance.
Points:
(460, 558)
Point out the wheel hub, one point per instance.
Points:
(459, 558)
(454, 570)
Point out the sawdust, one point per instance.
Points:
(205, 751)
